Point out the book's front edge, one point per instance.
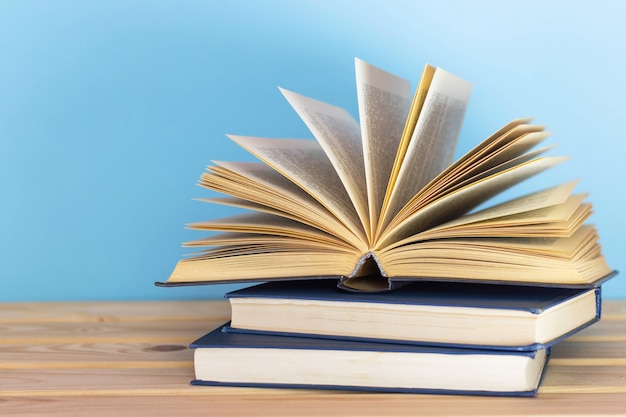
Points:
(543, 371)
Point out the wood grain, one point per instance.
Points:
(131, 359)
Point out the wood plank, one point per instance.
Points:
(585, 378)
(86, 355)
(96, 381)
(72, 312)
(132, 331)
(585, 349)
(226, 402)
(604, 330)
(143, 377)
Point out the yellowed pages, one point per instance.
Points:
(305, 163)
(478, 154)
(550, 212)
(492, 155)
(457, 203)
(572, 260)
(562, 220)
(339, 135)
(256, 264)
(242, 240)
(550, 198)
(434, 139)
(407, 134)
(384, 101)
(264, 223)
(258, 187)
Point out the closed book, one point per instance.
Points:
(260, 360)
(457, 314)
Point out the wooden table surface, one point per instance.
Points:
(131, 359)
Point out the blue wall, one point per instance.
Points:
(110, 110)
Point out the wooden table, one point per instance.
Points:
(131, 359)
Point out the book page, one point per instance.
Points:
(489, 157)
(305, 163)
(384, 101)
(266, 224)
(559, 220)
(434, 139)
(416, 108)
(548, 199)
(339, 135)
(235, 239)
(261, 263)
(258, 175)
(484, 156)
(478, 175)
(463, 200)
(574, 260)
(510, 131)
(549, 247)
(256, 186)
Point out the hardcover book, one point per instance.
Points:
(232, 359)
(379, 200)
(484, 316)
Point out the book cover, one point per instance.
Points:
(253, 360)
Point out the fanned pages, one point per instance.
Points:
(384, 101)
(379, 201)
(432, 142)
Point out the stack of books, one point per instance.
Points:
(383, 266)
(426, 337)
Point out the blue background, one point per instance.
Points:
(110, 110)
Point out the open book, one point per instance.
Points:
(381, 201)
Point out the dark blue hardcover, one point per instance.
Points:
(219, 338)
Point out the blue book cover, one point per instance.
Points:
(426, 313)
(258, 360)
